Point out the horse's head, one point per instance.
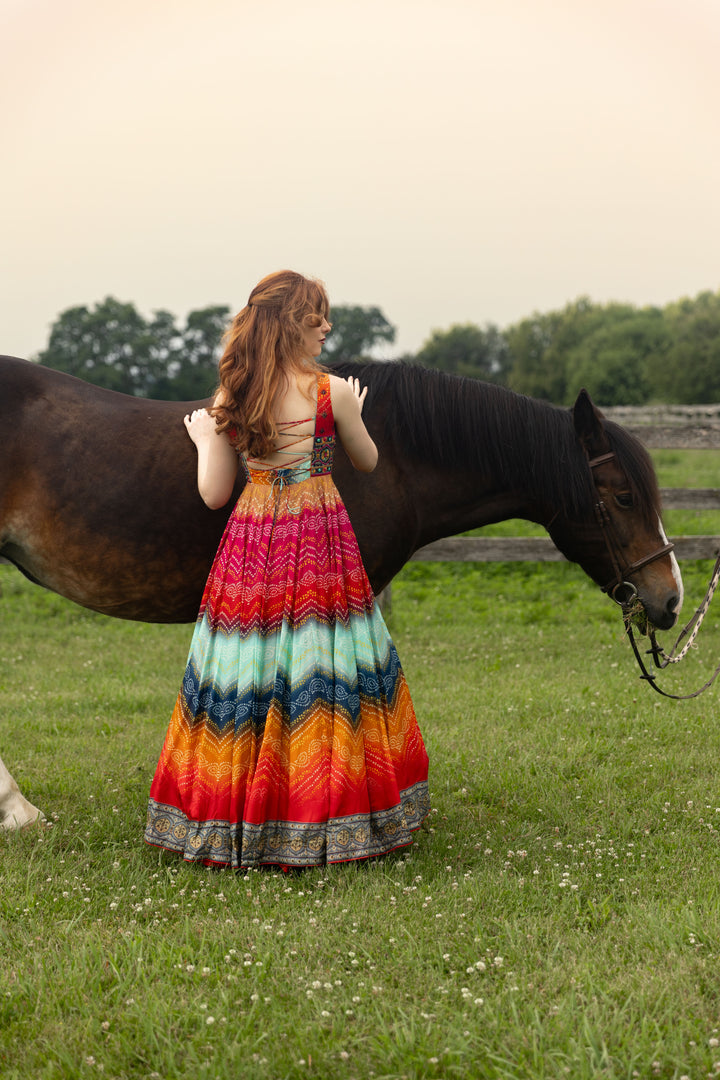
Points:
(621, 542)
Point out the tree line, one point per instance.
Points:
(113, 345)
(622, 354)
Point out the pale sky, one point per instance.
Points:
(448, 160)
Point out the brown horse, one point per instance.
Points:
(98, 499)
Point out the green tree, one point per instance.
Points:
(615, 363)
(467, 349)
(193, 372)
(356, 331)
(539, 348)
(534, 370)
(112, 345)
(552, 355)
(690, 371)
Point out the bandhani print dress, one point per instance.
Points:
(293, 741)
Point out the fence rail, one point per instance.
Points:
(537, 549)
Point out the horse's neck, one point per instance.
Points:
(470, 493)
(448, 502)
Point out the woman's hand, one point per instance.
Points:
(200, 424)
(359, 393)
(217, 461)
(347, 401)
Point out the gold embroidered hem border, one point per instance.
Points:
(287, 843)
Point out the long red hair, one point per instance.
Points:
(264, 345)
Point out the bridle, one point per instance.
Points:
(614, 548)
(661, 659)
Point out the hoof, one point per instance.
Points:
(22, 821)
(39, 822)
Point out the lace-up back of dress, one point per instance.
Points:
(290, 439)
(304, 447)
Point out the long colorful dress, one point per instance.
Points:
(293, 741)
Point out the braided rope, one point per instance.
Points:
(662, 659)
(695, 623)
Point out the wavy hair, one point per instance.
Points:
(263, 347)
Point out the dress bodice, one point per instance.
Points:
(320, 461)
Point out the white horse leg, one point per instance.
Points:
(15, 810)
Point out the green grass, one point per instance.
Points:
(687, 468)
(692, 469)
(559, 917)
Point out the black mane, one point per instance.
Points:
(456, 421)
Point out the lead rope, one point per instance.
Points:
(661, 659)
(695, 622)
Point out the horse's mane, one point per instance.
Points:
(455, 421)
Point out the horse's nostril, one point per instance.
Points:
(672, 604)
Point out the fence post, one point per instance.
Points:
(384, 601)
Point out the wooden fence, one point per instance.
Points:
(677, 427)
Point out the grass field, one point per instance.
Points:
(560, 917)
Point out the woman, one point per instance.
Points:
(293, 741)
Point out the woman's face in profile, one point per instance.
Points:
(314, 336)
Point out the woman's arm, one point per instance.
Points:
(347, 403)
(217, 459)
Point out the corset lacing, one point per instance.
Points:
(280, 480)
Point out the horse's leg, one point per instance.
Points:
(15, 810)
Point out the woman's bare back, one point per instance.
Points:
(294, 416)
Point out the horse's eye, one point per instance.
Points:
(624, 500)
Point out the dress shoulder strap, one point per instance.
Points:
(324, 420)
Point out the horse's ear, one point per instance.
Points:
(588, 423)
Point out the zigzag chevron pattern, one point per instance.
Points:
(293, 740)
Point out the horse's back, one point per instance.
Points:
(98, 499)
